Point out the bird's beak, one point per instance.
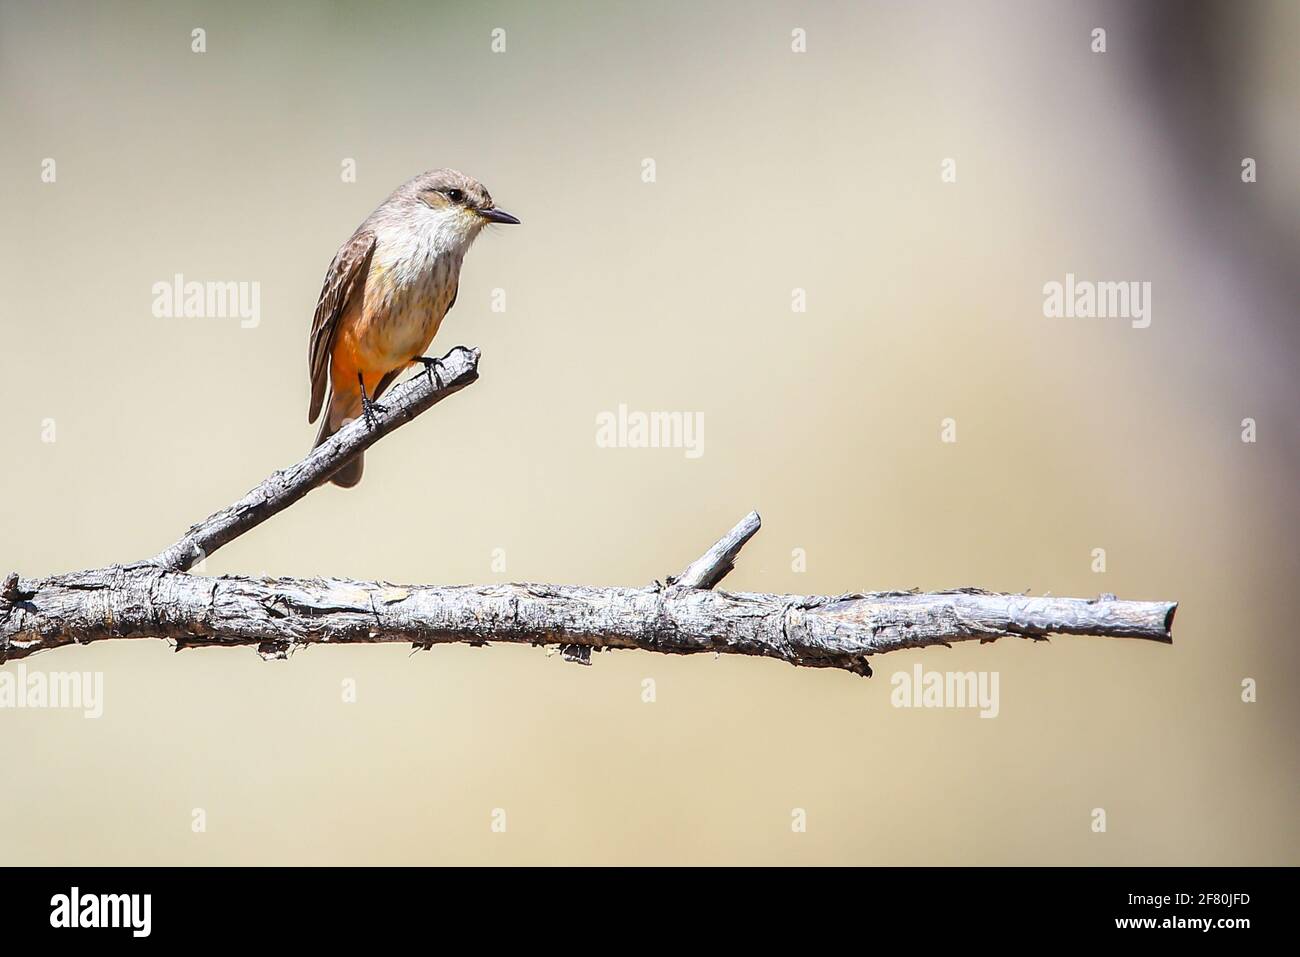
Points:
(495, 215)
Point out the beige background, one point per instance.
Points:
(775, 170)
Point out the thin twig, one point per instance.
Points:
(715, 564)
(407, 400)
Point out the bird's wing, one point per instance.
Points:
(345, 279)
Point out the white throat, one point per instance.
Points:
(438, 243)
(452, 230)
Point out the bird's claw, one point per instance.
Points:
(431, 369)
(371, 410)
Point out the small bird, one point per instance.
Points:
(386, 293)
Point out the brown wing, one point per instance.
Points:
(345, 278)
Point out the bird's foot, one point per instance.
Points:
(431, 369)
(371, 410)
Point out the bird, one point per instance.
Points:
(385, 294)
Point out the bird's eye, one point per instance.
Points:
(455, 195)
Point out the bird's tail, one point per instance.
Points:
(333, 419)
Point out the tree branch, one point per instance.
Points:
(715, 564)
(457, 369)
(281, 614)
(157, 599)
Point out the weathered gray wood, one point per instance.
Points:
(715, 564)
(705, 572)
(279, 615)
(408, 399)
(157, 599)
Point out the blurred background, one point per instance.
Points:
(775, 171)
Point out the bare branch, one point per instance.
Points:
(715, 564)
(157, 599)
(457, 369)
(279, 615)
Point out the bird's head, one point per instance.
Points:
(456, 205)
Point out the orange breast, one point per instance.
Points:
(394, 322)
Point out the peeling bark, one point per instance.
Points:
(279, 615)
